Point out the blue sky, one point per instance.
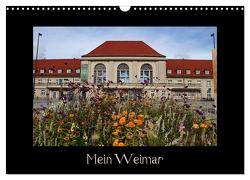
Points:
(173, 42)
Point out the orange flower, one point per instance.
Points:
(59, 130)
(203, 125)
(124, 113)
(130, 124)
(131, 115)
(118, 116)
(140, 116)
(115, 143)
(129, 136)
(142, 135)
(139, 122)
(113, 116)
(115, 133)
(66, 138)
(121, 144)
(196, 126)
(115, 124)
(122, 120)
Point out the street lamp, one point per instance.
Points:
(212, 35)
(34, 78)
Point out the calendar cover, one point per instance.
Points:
(147, 90)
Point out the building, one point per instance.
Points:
(192, 77)
(53, 76)
(130, 67)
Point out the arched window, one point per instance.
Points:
(146, 73)
(99, 73)
(123, 73)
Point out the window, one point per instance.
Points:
(199, 82)
(78, 71)
(49, 81)
(34, 71)
(179, 81)
(50, 71)
(206, 71)
(59, 81)
(68, 71)
(209, 95)
(146, 73)
(43, 92)
(197, 72)
(208, 83)
(189, 82)
(170, 81)
(169, 71)
(40, 81)
(123, 73)
(41, 71)
(59, 71)
(100, 73)
(163, 93)
(178, 71)
(188, 71)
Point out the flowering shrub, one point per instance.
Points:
(104, 119)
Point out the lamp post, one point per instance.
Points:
(34, 78)
(212, 35)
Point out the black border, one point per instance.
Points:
(227, 157)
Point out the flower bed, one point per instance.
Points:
(108, 120)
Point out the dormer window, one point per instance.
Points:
(169, 71)
(207, 72)
(68, 71)
(59, 71)
(188, 71)
(197, 72)
(178, 71)
(50, 71)
(78, 71)
(41, 71)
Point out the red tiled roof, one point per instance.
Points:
(123, 49)
(189, 64)
(56, 64)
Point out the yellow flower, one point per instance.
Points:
(130, 124)
(122, 120)
(115, 124)
(140, 116)
(71, 115)
(124, 113)
(196, 126)
(203, 125)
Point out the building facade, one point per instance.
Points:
(129, 67)
(53, 75)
